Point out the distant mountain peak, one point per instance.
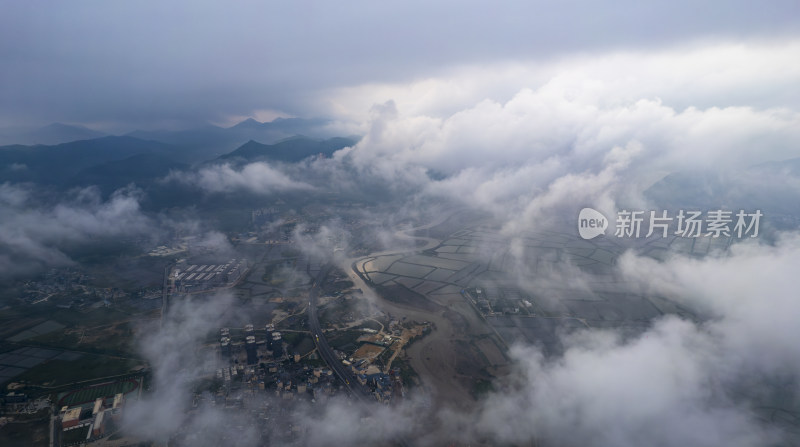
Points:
(289, 150)
(248, 123)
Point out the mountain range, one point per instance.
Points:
(55, 133)
(189, 145)
(289, 150)
(206, 142)
(111, 162)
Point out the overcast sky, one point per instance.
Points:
(151, 64)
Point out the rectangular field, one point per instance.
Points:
(443, 263)
(412, 270)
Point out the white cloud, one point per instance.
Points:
(33, 236)
(531, 139)
(750, 296)
(759, 73)
(680, 383)
(257, 177)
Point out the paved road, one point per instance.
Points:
(325, 351)
(55, 428)
(165, 291)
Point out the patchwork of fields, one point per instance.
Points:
(520, 287)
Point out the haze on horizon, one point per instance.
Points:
(119, 67)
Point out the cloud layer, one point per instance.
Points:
(259, 178)
(113, 65)
(681, 383)
(34, 236)
(724, 379)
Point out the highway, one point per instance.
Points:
(166, 291)
(325, 351)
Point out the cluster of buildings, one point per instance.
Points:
(164, 251)
(383, 382)
(384, 387)
(18, 403)
(262, 377)
(266, 398)
(263, 216)
(273, 226)
(294, 380)
(263, 365)
(101, 418)
(66, 282)
(288, 380)
(196, 278)
(507, 302)
(73, 289)
(271, 348)
(180, 244)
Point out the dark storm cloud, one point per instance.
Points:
(161, 64)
